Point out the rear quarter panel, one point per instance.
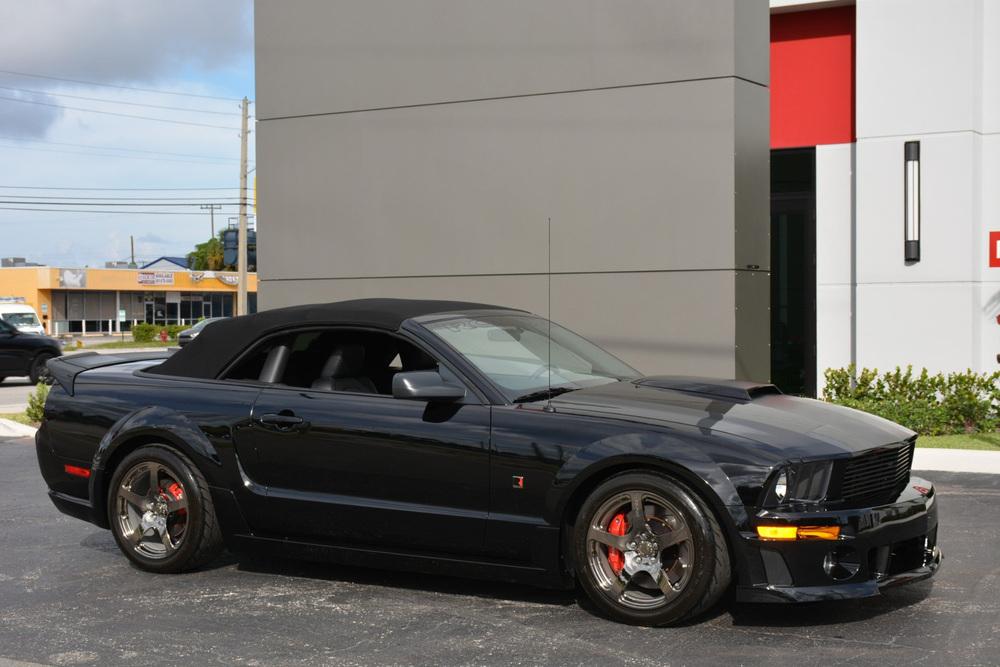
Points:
(114, 410)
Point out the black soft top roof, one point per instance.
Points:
(221, 342)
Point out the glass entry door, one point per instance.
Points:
(793, 271)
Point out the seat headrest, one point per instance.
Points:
(346, 361)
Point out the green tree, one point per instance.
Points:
(207, 256)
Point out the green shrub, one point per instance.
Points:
(937, 404)
(36, 402)
(147, 333)
(144, 333)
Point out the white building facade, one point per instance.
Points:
(924, 71)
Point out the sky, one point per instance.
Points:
(62, 61)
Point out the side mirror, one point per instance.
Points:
(425, 386)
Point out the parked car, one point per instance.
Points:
(461, 438)
(25, 353)
(22, 316)
(188, 335)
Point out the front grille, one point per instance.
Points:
(878, 475)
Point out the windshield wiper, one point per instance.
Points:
(543, 394)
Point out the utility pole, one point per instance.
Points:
(131, 241)
(211, 208)
(241, 259)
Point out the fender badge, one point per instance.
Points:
(518, 482)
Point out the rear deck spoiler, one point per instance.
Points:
(65, 369)
(734, 390)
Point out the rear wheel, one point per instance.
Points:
(39, 371)
(161, 511)
(648, 551)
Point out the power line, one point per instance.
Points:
(54, 187)
(187, 199)
(115, 155)
(120, 87)
(111, 203)
(120, 115)
(132, 104)
(91, 212)
(116, 148)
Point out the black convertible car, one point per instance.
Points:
(462, 438)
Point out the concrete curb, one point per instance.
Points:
(12, 429)
(956, 460)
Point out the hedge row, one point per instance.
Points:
(146, 333)
(928, 404)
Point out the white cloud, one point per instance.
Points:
(122, 41)
(189, 45)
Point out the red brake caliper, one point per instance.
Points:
(618, 526)
(177, 493)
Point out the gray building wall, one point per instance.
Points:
(416, 149)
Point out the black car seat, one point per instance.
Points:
(344, 371)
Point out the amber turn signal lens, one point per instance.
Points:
(798, 532)
(819, 532)
(777, 532)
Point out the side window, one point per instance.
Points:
(332, 360)
(4, 327)
(252, 365)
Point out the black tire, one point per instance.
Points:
(702, 557)
(201, 540)
(39, 371)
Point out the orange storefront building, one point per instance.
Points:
(92, 301)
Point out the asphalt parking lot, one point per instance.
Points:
(67, 597)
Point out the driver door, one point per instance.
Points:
(367, 469)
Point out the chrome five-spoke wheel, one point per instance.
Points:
(640, 549)
(152, 509)
(161, 511)
(649, 551)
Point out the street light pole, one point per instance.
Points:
(211, 208)
(241, 260)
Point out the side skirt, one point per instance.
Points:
(408, 562)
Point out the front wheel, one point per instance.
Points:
(161, 511)
(648, 551)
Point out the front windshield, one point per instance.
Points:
(513, 351)
(20, 320)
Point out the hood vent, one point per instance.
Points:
(733, 390)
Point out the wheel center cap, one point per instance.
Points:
(153, 520)
(646, 549)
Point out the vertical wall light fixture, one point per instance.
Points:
(911, 202)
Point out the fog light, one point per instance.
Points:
(841, 564)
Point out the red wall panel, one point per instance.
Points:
(812, 77)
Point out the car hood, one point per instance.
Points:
(798, 427)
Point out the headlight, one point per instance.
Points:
(800, 482)
(781, 487)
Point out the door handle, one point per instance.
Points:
(282, 422)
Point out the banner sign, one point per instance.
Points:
(995, 250)
(156, 277)
(73, 278)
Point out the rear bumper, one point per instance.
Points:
(879, 547)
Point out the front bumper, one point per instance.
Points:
(878, 547)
